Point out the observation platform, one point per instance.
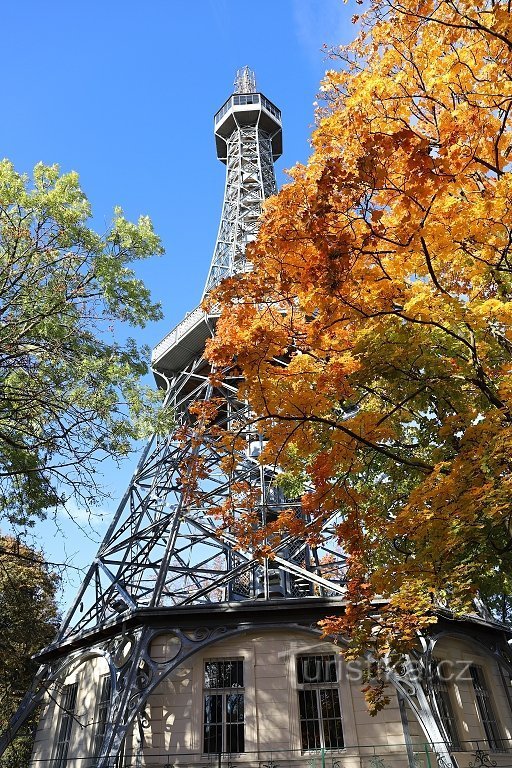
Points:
(185, 341)
(247, 109)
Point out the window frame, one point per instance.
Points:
(232, 732)
(441, 692)
(100, 723)
(68, 699)
(486, 709)
(325, 686)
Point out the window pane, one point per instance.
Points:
(233, 674)
(316, 669)
(485, 708)
(68, 701)
(310, 734)
(224, 680)
(333, 734)
(308, 705)
(212, 723)
(224, 674)
(213, 708)
(444, 704)
(331, 718)
(448, 718)
(103, 706)
(235, 738)
(330, 703)
(307, 669)
(211, 674)
(309, 721)
(234, 722)
(235, 708)
(212, 739)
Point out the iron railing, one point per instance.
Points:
(472, 754)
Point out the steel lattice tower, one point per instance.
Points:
(162, 559)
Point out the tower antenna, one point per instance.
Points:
(245, 81)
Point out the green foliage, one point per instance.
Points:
(28, 621)
(69, 392)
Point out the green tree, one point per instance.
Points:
(28, 619)
(70, 394)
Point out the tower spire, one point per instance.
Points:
(245, 81)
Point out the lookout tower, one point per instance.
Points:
(183, 648)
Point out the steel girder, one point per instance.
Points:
(160, 551)
(250, 179)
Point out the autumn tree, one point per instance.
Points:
(28, 616)
(373, 331)
(70, 394)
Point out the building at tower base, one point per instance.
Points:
(257, 685)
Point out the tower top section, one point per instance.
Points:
(248, 136)
(245, 81)
(247, 108)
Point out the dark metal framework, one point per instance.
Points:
(162, 551)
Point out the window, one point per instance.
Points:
(101, 722)
(441, 692)
(223, 706)
(68, 704)
(485, 708)
(319, 703)
(251, 98)
(270, 107)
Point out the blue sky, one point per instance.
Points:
(124, 92)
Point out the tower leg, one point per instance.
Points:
(411, 682)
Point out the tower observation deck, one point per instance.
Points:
(249, 140)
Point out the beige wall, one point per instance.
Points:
(469, 726)
(87, 675)
(271, 700)
(175, 709)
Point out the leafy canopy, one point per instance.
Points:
(382, 277)
(69, 392)
(28, 621)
